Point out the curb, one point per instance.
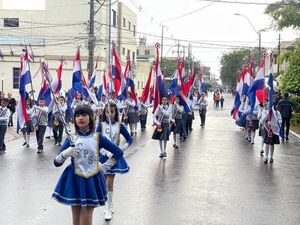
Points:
(295, 134)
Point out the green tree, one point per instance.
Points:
(231, 63)
(285, 13)
(290, 80)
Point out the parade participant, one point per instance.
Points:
(161, 119)
(243, 108)
(78, 100)
(82, 184)
(58, 127)
(190, 117)
(143, 110)
(111, 128)
(41, 123)
(203, 103)
(4, 118)
(12, 107)
(285, 107)
(131, 113)
(271, 125)
(176, 122)
(252, 122)
(262, 112)
(28, 128)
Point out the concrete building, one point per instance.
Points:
(56, 32)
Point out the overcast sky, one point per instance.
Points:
(211, 26)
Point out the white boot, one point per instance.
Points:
(107, 211)
(110, 199)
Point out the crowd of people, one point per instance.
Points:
(273, 124)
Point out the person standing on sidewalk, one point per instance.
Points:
(58, 127)
(203, 103)
(4, 118)
(12, 107)
(111, 128)
(82, 184)
(41, 123)
(285, 107)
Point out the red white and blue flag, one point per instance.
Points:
(146, 89)
(25, 78)
(56, 83)
(93, 78)
(102, 87)
(116, 71)
(77, 75)
(130, 82)
(255, 93)
(237, 99)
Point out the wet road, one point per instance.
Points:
(215, 177)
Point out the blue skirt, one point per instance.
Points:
(72, 189)
(120, 167)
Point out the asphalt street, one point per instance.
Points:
(215, 177)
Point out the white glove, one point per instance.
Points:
(106, 153)
(70, 152)
(107, 165)
(125, 146)
(172, 120)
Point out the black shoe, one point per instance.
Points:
(271, 160)
(161, 155)
(262, 152)
(27, 145)
(58, 144)
(164, 154)
(47, 137)
(24, 143)
(287, 138)
(176, 147)
(55, 143)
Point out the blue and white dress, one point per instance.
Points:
(82, 183)
(117, 128)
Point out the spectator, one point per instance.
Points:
(12, 107)
(285, 107)
(4, 117)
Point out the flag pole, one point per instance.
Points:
(47, 76)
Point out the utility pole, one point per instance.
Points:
(178, 45)
(91, 41)
(278, 55)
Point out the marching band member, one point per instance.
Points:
(28, 128)
(41, 123)
(82, 184)
(131, 113)
(111, 128)
(271, 125)
(58, 127)
(177, 111)
(203, 103)
(161, 119)
(143, 111)
(78, 100)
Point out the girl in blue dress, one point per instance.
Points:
(82, 184)
(112, 130)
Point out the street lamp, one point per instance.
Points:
(257, 32)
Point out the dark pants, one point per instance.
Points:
(190, 121)
(40, 136)
(184, 125)
(10, 122)
(3, 129)
(202, 114)
(285, 123)
(58, 132)
(143, 120)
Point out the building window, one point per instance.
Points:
(128, 52)
(114, 18)
(123, 51)
(147, 52)
(129, 26)
(134, 30)
(133, 56)
(142, 85)
(124, 22)
(137, 52)
(16, 78)
(11, 22)
(138, 85)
